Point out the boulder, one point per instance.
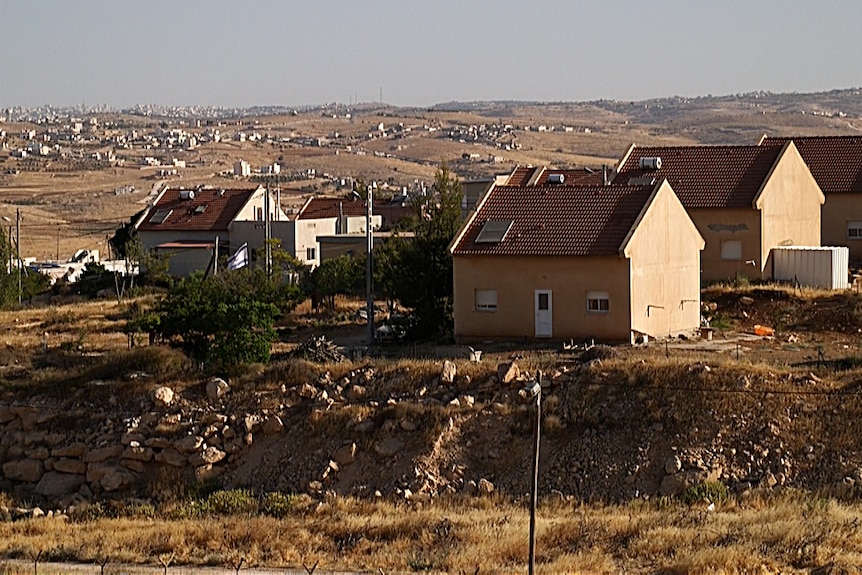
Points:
(189, 444)
(355, 392)
(171, 457)
(132, 437)
(69, 465)
(508, 372)
(30, 416)
(345, 455)
(307, 391)
(208, 456)
(251, 422)
(485, 487)
(133, 465)
(672, 465)
(448, 373)
(163, 396)
(29, 470)
(217, 388)
(137, 453)
(6, 414)
(73, 450)
(54, 484)
(388, 447)
(103, 454)
(273, 425)
(158, 442)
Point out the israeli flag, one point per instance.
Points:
(239, 259)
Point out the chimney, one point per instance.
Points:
(605, 180)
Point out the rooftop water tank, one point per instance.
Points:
(650, 163)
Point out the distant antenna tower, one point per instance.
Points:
(381, 94)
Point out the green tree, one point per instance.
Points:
(344, 275)
(418, 272)
(226, 319)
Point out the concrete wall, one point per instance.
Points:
(790, 204)
(517, 278)
(720, 225)
(664, 254)
(838, 210)
(183, 261)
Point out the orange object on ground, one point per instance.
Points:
(763, 330)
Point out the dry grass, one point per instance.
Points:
(789, 533)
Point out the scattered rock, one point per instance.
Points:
(508, 372)
(273, 425)
(345, 455)
(217, 388)
(448, 374)
(208, 456)
(485, 487)
(163, 396)
(672, 465)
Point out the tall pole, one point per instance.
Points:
(369, 260)
(267, 232)
(215, 256)
(18, 249)
(534, 492)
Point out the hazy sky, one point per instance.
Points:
(292, 53)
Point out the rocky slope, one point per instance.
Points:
(614, 428)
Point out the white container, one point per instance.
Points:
(813, 266)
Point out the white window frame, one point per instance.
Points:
(598, 302)
(854, 230)
(731, 250)
(485, 300)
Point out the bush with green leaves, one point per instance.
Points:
(226, 319)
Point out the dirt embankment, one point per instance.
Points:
(618, 423)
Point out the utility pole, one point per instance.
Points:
(369, 261)
(535, 392)
(215, 256)
(267, 232)
(18, 250)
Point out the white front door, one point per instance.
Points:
(544, 313)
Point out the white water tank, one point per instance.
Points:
(815, 266)
(653, 163)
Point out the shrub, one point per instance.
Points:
(712, 491)
(276, 504)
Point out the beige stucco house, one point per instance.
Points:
(560, 261)
(836, 164)
(744, 200)
(186, 225)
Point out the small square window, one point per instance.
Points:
(598, 302)
(854, 230)
(731, 250)
(486, 300)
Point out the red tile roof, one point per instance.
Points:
(557, 220)
(834, 161)
(521, 176)
(318, 208)
(705, 176)
(217, 209)
(572, 177)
